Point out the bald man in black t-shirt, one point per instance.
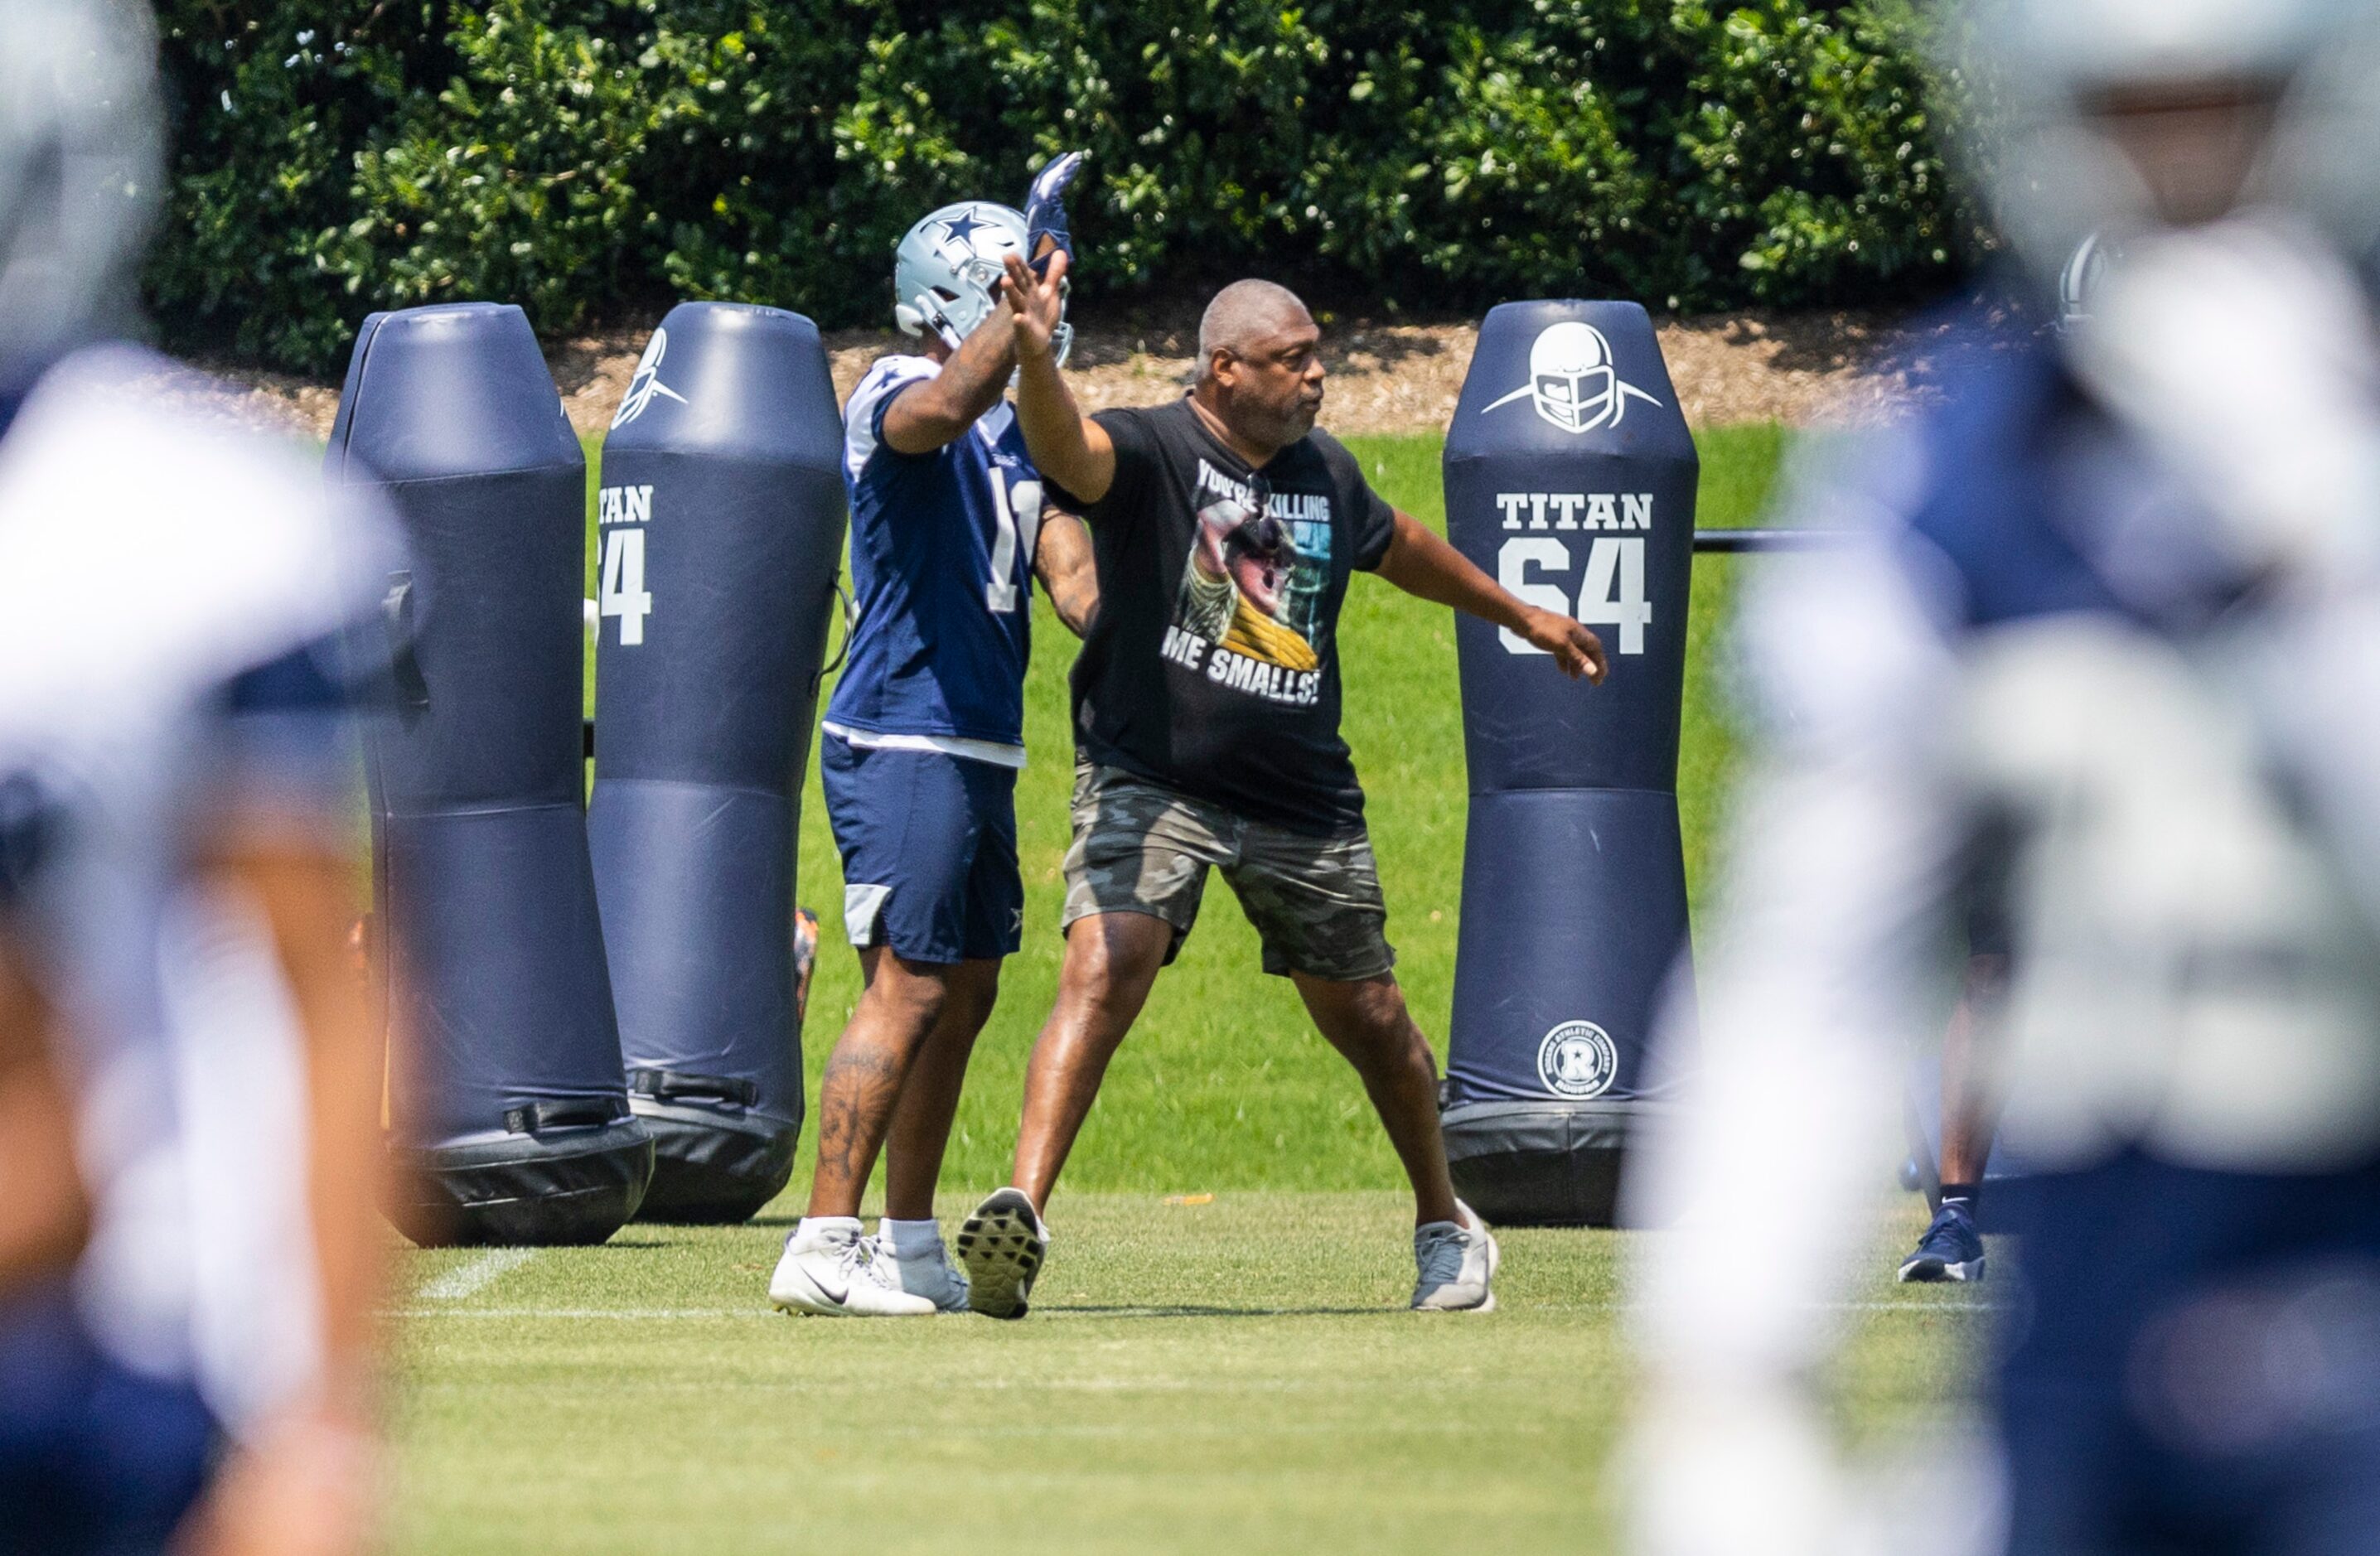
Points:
(1206, 705)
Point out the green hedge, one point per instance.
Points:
(585, 156)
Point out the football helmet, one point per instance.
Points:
(947, 269)
(2063, 72)
(81, 170)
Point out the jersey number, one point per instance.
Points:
(1023, 511)
(1612, 593)
(623, 594)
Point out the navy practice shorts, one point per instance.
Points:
(2193, 1364)
(929, 845)
(94, 1456)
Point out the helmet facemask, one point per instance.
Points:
(1573, 401)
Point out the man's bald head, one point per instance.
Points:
(1260, 367)
(1243, 316)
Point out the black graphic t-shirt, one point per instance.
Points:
(1213, 664)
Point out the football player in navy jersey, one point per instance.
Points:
(922, 741)
(189, 1252)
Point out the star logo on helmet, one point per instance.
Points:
(962, 228)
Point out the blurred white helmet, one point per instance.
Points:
(2061, 76)
(947, 271)
(81, 167)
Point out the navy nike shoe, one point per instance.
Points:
(1951, 1249)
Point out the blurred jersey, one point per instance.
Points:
(942, 560)
(171, 600)
(2087, 646)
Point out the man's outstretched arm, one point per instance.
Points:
(1419, 562)
(1067, 447)
(1061, 560)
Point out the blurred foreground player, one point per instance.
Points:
(919, 752)
(2114, 637)
(188, 1232)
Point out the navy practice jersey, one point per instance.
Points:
(942, 560)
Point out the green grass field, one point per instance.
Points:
(1228, 1375)
(1234, 1377)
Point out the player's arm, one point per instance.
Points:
(45, 1216)
(931, 412)
(303, 887)
(1061, 560)
(1422, 563)
(279, 842)
(1067, 447)
(303, 1481)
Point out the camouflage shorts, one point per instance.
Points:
(1141, 847)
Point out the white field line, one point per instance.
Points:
(472, 1276)
(643, 1314)
(436, 1290)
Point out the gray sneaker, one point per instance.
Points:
(1455, 1261)
(929, 1275)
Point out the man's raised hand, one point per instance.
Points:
(1574, 645)
(1038, 303)
(1070, 450)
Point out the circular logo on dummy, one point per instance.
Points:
(1577, 1059)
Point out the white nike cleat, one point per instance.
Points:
(929, 1275)
(1003, 1243)
(828, 1270)
(1456, 1262)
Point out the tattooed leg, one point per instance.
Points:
(898, 1010)
(930, 1099)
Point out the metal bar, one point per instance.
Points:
(1705, 540)
(1768, 539)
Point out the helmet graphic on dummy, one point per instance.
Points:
(1571, 377)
